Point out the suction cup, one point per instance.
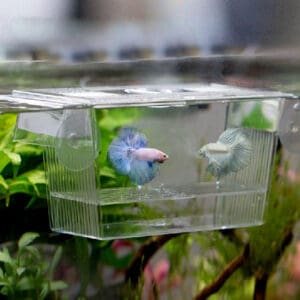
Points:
(77, 140)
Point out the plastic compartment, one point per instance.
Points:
(85, 194)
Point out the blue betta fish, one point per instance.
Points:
(130, 156)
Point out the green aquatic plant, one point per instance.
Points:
(256, 118)
(21, 169)
(268, 242)
(27, 275)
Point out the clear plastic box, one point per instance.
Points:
(107, 178)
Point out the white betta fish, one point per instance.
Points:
(231, 153)
(130, 156)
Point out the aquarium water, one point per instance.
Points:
(107, 178)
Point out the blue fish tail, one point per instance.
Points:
(118, 156)
(142, 172)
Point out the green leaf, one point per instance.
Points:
(20, 185)
(31, 202)
(35, 177)
(107, 172)
(57, 285)
(45, 290)
(6, 288)
(4, 282)
(15, 158)
(55, 260)
(25, 284)
(31, 183)
(20, 270)
(5, 257)
(3, 185)
(52, 286)
(7, 139)
(4, 160)
(83, 262)
(27, 238)
(7, 123)
(28, 150)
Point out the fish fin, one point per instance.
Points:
(142, 172)
(241, 154)
(229, 136)
(218, 164)
(240, 148)
(132, 138)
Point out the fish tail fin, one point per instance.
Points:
(142, 172)
(132, 138)
(242, 153)
(241, 147)
(118, 156)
